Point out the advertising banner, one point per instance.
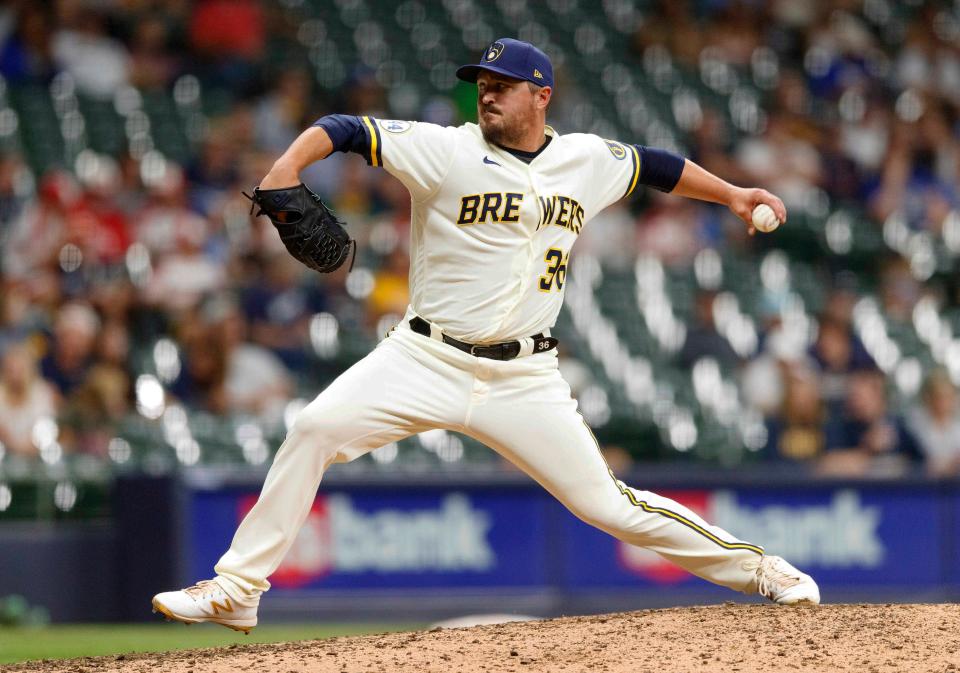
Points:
(867, 537)
(483, 536)
(369, 539)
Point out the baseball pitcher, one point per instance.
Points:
(496, 208)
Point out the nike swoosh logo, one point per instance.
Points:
(488, 160)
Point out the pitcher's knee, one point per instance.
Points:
(607, 516)
(316, 429)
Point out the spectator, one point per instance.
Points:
(40, 229)
(703, 339)
(97, 224)
(13, 197)
(712, 149)
(796, 433)
(165, 216)
(936, 425)
(72, 349)
(920, 170)
(672, 230)
(838, 353)
(282, 114)
(229, 36)
(611, 237)
(185, 275)
(214, 171)
(200, 384)
(19, 317)
(25, 398)
(928, 59)
(734, 31)
(26, 57)
(899, 290)
(673, 25)
(279, 308)
(99, 64)
(112, 294)
(864, 139)
(869, 439)
(93, 411)
(783, 161)
(391, 292)
(153, 65)
(764, 379)
(255, 380)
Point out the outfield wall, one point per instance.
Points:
(440, 546)
(417, 546)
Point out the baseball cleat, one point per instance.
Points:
(205, 601)
(782, 583)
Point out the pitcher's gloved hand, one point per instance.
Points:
(308, 229)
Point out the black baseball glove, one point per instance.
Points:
(309, 230)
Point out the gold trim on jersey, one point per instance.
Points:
(374, 141)
(636, 169)
(679, 518)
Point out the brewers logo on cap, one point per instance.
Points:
(493, 52)
(511, 58)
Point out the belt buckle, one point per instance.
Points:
(473, 350)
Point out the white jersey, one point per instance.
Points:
(490, 240)
(490, 234)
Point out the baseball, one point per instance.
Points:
(764, 219)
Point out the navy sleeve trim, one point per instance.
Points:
(660, 169)
(349, 133)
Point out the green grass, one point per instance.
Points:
(69, 641)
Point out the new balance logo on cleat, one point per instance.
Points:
(207, 602)
(217, 607)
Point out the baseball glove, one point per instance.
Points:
(308, 229)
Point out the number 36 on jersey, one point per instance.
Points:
(556, 274)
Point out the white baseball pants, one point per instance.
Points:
(521, 408)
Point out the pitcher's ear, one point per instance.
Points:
(545, 94)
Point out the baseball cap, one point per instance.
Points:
(512, 58)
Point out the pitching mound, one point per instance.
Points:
(745, 638)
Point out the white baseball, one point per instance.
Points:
(764, 219)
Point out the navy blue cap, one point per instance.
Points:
(513, 58)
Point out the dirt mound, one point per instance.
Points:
(744, 638)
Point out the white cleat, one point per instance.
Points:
(205, 601)
(782, 583)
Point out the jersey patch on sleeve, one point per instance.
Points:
(396, 126)
(373, 130)
(616, 149)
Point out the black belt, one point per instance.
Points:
(503, 351)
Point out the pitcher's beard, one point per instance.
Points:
(500, 135)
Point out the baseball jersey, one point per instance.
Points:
(490, 234)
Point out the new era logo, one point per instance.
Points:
(537, 74)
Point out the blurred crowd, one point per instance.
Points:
(139, 263)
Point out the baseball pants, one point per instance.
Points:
(521, 408)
